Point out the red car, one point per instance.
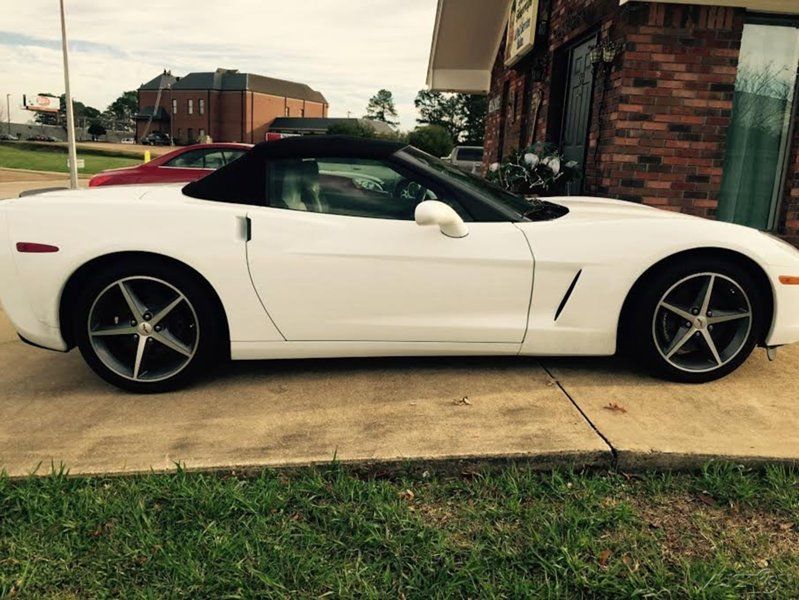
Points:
(179, 166)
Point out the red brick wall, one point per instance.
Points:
(230, 116)
(789, 223)
(675, 106)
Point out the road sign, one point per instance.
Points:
(80, 162)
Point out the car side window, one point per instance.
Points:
(213, 159)
(349, 187)
(231, 155)
(193, 159)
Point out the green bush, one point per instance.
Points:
(433, 139)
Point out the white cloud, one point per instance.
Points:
(347, 49)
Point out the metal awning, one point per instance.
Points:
(466, 39)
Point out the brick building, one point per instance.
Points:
(226, 105)
(687, 105)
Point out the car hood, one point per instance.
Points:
(587, 208)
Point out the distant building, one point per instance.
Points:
(315, 125)
(226, 105)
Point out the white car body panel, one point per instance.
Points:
(348, 286)
(338, 278)
(86, 224)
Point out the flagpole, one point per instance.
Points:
(73, 155)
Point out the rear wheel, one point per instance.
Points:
(697, 322)
(149, 328)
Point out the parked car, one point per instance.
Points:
(42, 138)
(467, 158)
(182, 165)
(127, 141)
(8, 137)
(281, 254)
(156, 138)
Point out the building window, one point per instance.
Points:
(190, 135)
(202, 135)
(190, 106)
(759, 135)
(288, 111)
(174, 107)
(201, 106)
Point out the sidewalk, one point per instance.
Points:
(587, 413)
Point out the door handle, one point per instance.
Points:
(245, 228)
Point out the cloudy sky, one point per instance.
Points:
(347, 49)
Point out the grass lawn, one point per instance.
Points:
(40, 157)
(504, 532)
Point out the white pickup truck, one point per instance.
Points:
(467, 158)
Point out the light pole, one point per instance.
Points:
(73, 155)
(8, 112)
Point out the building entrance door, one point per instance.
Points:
(577, 115)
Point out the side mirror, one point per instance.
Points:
(433, 212)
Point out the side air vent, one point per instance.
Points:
(568, 294)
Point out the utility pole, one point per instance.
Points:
(8, 112)
(73, 154)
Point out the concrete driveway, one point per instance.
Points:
(53, 410)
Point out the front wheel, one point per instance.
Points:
(147, 329)
(697, 322)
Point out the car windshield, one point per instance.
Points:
(477, 185)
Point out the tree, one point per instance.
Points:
(123, 109)
(463, 115)
(96, 129)
(433, 139)
(475, 108)
(381, 108)
(354, 128)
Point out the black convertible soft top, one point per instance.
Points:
(244, 180)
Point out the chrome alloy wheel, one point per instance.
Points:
(143, 329)
(702, 322)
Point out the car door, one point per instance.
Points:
(337, 256)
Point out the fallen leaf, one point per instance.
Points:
(615, 408)
(407, 495)
(707, 499)
(463, 401)
(603, 557)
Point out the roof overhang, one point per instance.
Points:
(790, 7)
(466, 39)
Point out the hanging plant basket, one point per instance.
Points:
(534, 172)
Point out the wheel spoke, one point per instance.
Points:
(677, 311)
(712, 346)
(142, 345)
(171, 342)
(705, 294)
(723, 317)
(136, 307)
(683, 335)
(166, 310)
(109, 331)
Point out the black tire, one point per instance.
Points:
(196, 318)
(653, 333)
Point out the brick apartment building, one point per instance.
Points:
(687, 105)
(226, 105)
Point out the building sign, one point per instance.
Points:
(521, 30)
(493, 104)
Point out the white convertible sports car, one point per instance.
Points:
(330, 246)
